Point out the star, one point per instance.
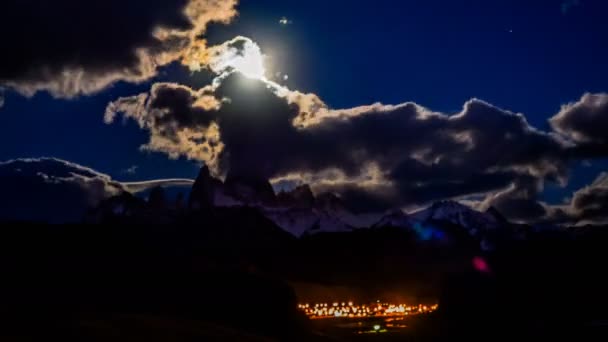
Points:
(284, 21)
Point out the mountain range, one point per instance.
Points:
(300, 212)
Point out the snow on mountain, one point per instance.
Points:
(444, 219)
(295, 221)
(301, 221)
(333, 206)
(223, 199)
(249, 189)
(297, 211)
(300, 197)
(396, 218)
(458, 214)
(300, 212)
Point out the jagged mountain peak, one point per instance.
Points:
(299, 211)
(496, 214)
(203, 190)
(204, 172)
(330, 201)
(394, 218)
(249, 188)
(445, 210)
(300, 197)
(451, 206)
(157, 199)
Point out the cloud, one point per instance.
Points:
(374, 156)
(585, 122)
(178, 119)
(519, 201)
(588, 205)
(136, 187)
(239, 53)
(58, 191)
(51, 190)
(397, 155)
(44, 51)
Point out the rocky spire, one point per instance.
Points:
(203, 190)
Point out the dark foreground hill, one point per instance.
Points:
(227, 278)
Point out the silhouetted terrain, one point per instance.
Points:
(157, 270)
(57, 278)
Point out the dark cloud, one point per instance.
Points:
(591, 203)
(519, 201)
(73, 47)
(396, 155)
(584, 121)
(588, 205)
(58, 191)
(51, 190)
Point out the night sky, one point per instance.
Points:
(513, 56)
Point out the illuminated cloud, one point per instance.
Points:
(47, 54)
(588, 205)
(179, 119)
(397, 155)
(136, 187)
(584, 121)
(239, 54)
(519, 200)
(375, 156)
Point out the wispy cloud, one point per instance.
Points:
(44, 52)
(135, 187)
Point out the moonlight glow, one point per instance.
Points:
(242, 55)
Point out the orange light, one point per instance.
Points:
(352, 310)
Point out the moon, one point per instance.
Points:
(247, 59)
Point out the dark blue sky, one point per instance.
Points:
(525, 57)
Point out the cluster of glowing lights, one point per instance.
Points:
(351, 310)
